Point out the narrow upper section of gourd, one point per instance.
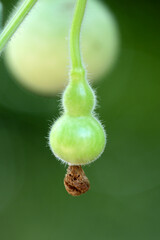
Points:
(78, 98)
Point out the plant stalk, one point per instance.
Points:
(15, 22)
(75, 51)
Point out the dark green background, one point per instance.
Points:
(124, 200)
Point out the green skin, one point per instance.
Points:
(38, 53)
(77, 140)
(77, 137)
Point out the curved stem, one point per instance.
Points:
(75, 35)
(15, 21)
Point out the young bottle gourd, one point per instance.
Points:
(77, 137)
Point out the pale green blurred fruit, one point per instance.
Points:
(38, 54)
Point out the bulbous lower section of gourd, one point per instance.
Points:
(77, 140)
(38, 56)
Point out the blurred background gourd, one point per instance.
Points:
(38, 54)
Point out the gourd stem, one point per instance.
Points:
(15, 22)
(75, 51)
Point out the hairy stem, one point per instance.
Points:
(15, 22)
(75, 52)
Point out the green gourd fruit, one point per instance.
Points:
(77, 137)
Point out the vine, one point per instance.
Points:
(15, 22)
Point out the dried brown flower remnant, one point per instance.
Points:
(75, 181)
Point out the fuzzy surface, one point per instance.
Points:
(77, 140)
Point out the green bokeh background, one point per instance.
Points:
(124, 200)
